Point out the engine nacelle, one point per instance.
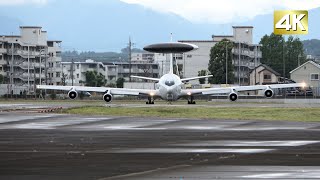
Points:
(268, 93)
(73, 94)
(233, 96)
(107, 97)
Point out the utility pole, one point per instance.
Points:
(45, 71)
(28, 69)
(283, 59)
(255, 66)
(239, 78)
(130, 44)
(11, 69)
(226, 62)
(72, 63)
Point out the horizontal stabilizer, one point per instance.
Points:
(193, 78)
(146, 78)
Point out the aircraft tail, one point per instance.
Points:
(171, 64)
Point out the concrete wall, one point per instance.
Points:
(243, 34)
(197, 60)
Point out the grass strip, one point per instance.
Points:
(239, 113)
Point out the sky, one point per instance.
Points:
(209, 11)
(105, 25)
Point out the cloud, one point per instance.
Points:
(22, 2)
(227, 11)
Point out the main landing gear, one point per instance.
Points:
(150, 101)
(191, 101)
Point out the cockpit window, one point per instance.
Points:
(169, 83)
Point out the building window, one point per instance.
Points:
(78, 66)
(154, 66)
(267, 77)
(314, 76)
(57, 74)
(78, 75)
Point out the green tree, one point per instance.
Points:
(217, 62)
(120, 82)
(294, 54)
(63, 79)
(282, 56)
(94, 79)
(202, 73)
(1, 79)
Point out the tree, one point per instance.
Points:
(281, 55)
(120, 82)
(1, 79)
(217, 62)
(202, 73)
(94, 79)
(63, 79)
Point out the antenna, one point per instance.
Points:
(171, 39)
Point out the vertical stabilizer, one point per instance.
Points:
(171, 57)
(171, 64)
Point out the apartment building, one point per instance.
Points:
(74, 73)
(147, 69)
(25, 59)
(163, 60)
(246, 55)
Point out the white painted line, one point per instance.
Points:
(192, 150)
(254, 143)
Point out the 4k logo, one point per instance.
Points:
(290, 22)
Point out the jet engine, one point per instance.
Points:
(107, 97)
(73, 94)
(233, 96)
(268, 93)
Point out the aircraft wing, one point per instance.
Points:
(113, 91)
(146, 78)
(193, 78)
(227, 90)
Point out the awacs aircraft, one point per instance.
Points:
(169, 86)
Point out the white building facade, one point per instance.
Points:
(246, 55)
(25, 59)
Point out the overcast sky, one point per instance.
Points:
(204, 11)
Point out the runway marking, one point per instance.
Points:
(12, 118)
(49, 123)
(252, 143)
(191, 150)
(294, 175)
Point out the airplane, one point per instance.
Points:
(170, 86)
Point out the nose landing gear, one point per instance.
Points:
(150, 100)
(191, 101)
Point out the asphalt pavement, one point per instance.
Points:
(53, 146)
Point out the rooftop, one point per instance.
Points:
(242, 26)
(33, 27)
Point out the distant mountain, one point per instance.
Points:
(105, 26)
(312, 47)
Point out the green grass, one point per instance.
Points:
(259, 113)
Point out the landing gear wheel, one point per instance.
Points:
(150, 101)
(191, 101)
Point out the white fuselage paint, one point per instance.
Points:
(169, 87)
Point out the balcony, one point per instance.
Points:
(3, 50)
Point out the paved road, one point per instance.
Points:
(52, 146)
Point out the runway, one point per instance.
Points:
(54, 146)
